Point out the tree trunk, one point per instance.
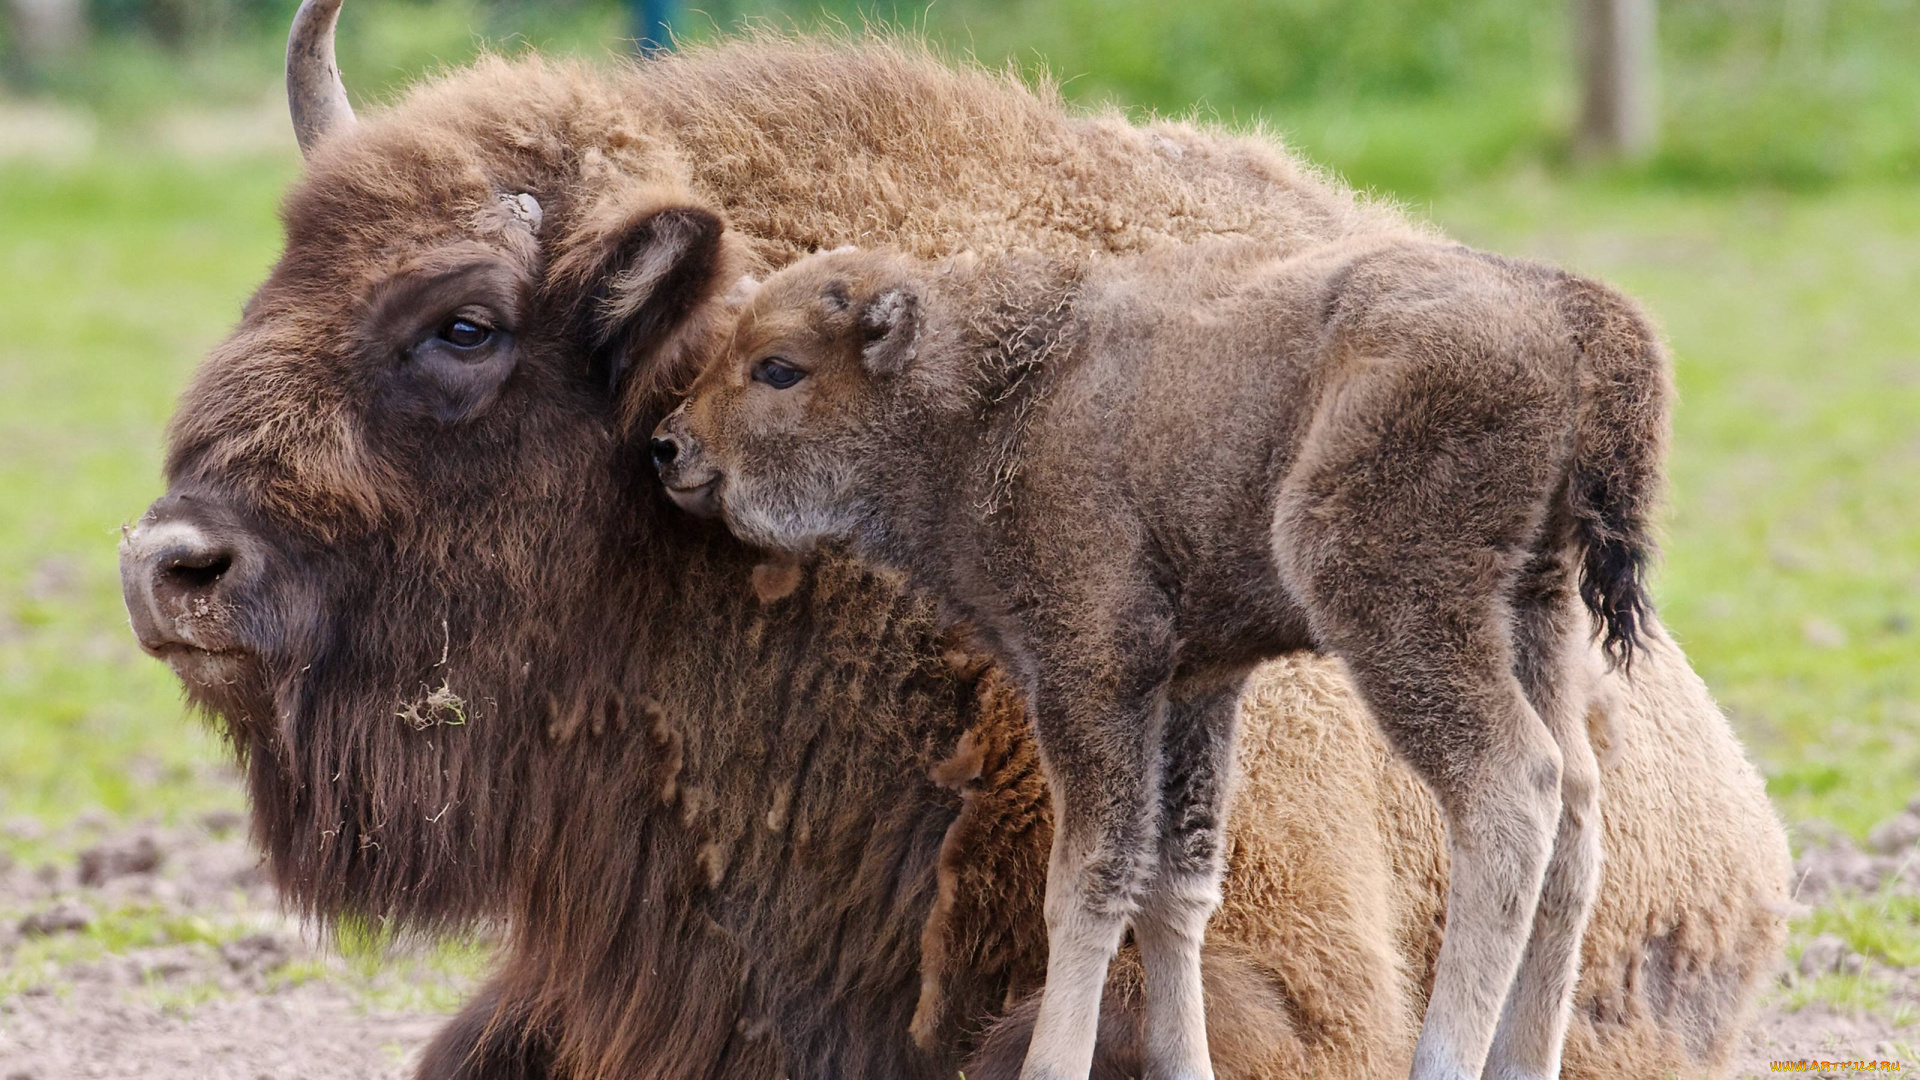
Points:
(1619, 116)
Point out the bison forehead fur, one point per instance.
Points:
(492, 673)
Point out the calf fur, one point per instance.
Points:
(1137, 477)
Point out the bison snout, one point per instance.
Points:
(175, 572)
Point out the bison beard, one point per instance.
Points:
(740, 831)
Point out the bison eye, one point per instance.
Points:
(776, 373)
(465, 334)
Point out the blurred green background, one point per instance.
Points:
(1410, 95)
(1775, 234)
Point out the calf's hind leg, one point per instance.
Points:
(1495, 772)
(1558, 670)
(1196, 765)
(1402, 529)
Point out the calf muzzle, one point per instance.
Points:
(691, 482)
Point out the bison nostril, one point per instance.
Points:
(192, 569)
(664, 451)
(175, 576)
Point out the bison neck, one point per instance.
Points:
(757, 836)
(699, 796)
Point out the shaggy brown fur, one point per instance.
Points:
(706, 817)
(1137, 477)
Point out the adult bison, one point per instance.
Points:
(745, 820)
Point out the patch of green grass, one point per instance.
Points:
(362, 944)
(145, 926)
(401, 973)
(1412, 97)
(36, 963)
(1404, 97)
(396, 973)
(126, 75)
(179, 998)
(119, 273)
(113, 932)
(1884, 927)
(411, 976)
(1841, 993)
(382, 973)
(296, 973)
(435, 977)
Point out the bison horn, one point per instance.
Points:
(315, 95)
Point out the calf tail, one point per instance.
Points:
(1620, 436)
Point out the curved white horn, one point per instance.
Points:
(315, 95)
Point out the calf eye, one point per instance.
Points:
(465, 334)
(777, 374)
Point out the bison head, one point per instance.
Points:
(399, 493)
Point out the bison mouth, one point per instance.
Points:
(203, 669)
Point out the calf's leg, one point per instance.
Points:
(1419, 495)
(1099, 750)
(1557, 668)
(1495, 772)
(1196, 764)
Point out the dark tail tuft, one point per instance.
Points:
(1619, 449)
(1613, 585)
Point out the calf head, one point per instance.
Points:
(786, 431)
(402, 500)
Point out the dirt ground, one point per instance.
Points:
(162, 954)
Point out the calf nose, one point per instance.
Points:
(171, 571)
(665, 450)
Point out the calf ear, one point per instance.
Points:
(890, 323)
(640, 289)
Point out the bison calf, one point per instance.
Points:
(1138, 477)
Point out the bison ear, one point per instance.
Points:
(640, 290)
(890, 325)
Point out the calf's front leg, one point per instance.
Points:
(1100, 749)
